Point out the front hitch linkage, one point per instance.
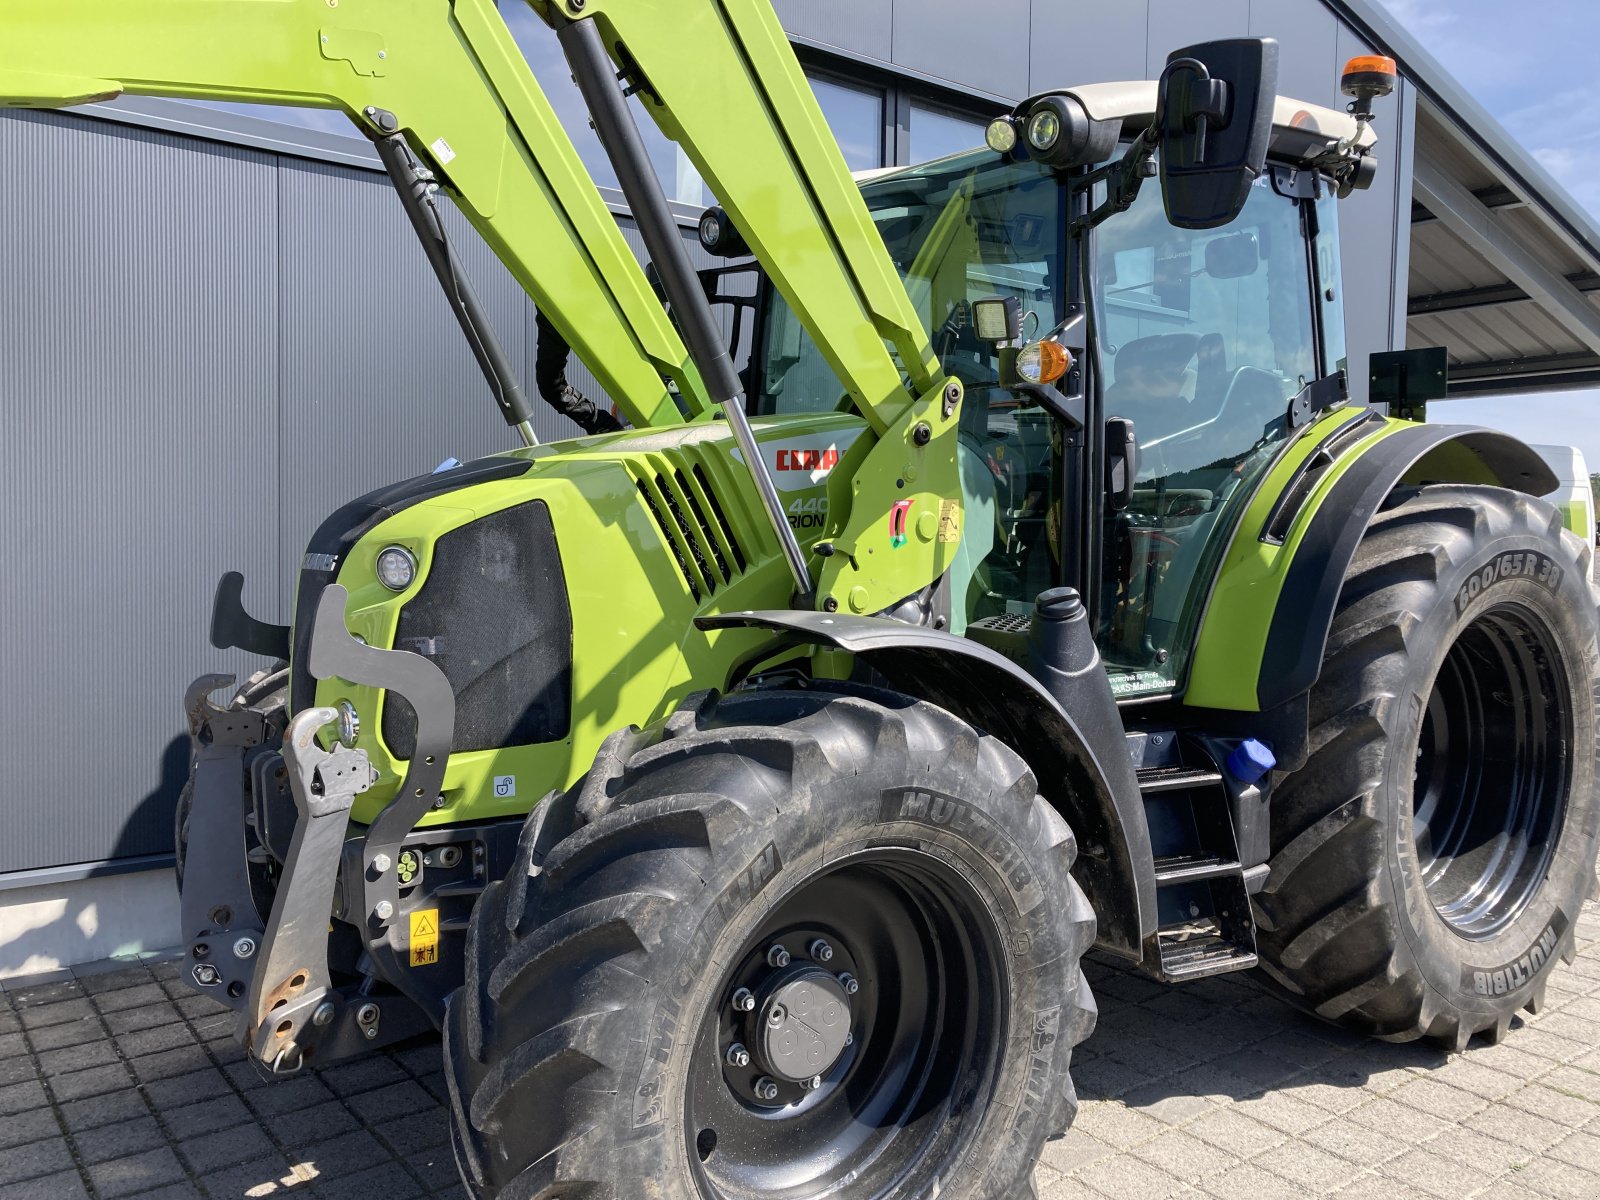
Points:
(291, 988)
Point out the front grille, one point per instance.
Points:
(694, 527)
(493, 615)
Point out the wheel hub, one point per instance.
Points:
(853, 1030)
(804, 1020)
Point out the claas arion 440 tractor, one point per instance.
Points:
(739, 790)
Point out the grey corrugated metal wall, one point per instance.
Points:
(138, 337)
(205, 348)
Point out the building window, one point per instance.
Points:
(937, 131)
(855, 114)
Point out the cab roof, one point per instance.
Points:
(1301, 132)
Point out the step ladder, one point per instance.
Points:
(1206, 926)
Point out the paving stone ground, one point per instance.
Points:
(116, 1081)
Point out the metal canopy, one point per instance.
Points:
(1504, 265)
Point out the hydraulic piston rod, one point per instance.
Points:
(415, 185)
(592, 70)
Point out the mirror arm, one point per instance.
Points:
(1123, 179)
(1317, 396)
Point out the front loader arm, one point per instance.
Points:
(463, 96)
(720, 79)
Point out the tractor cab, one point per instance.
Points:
(1131, 369)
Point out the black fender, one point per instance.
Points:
(1298, 636)
(1083, 768)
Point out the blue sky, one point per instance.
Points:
(1532, 65)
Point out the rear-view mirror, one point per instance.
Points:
(1234, 256)
(1214, 123)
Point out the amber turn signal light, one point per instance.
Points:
(1043, 362)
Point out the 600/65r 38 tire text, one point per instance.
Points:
(794, 943)
(1430, 859)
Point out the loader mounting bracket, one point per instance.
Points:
(218, 911)
(293, 1003)
(234, 628)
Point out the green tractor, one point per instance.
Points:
(740, 792)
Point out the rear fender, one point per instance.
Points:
(1086, 774)
(1261, 643)
(1417, 454)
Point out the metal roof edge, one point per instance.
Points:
(1475, 122)
(279, 137)
(235, 129)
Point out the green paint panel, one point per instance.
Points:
(635, 650)
(1233, 633)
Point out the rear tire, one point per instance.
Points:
(1430, 859)
(589, 1051)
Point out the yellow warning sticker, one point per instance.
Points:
(424, 937)
(950, 521)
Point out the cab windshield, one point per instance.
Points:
(1202, 338)
(959, 229)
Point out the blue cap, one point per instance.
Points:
(1250, 760)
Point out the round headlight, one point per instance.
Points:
(1044, 127)
(1001, 135)
(397, 567)
(710, 230)
(349, 723)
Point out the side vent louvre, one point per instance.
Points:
(721, 517)
(693, 525)
(1282, 517)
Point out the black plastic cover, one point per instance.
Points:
(493, 616)
(1215, 126)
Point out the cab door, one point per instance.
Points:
(1204, 337)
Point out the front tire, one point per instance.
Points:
(1430, 859)
(859, 892)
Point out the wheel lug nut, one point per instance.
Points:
(777, 1016)
(744, 1000)
(849, 984)
(821, 951)
(738, 1056)
(777, 957)
(849, 1039)
(813, 1083)
(766, 1089)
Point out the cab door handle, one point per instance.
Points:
(1122, 462)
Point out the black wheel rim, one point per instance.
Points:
(928, 1020)
(1492, 771)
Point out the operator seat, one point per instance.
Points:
(1153, 384)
